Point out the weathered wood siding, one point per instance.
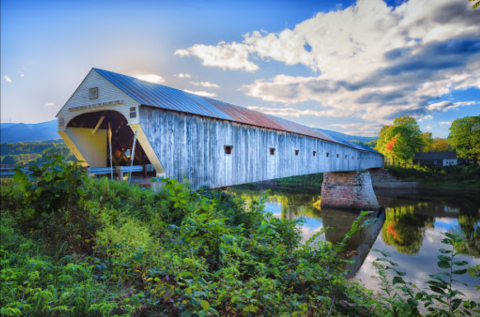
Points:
(193, 146)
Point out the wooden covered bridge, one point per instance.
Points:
(211, 143)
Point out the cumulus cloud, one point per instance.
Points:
(446, 122)
(205, 84)
(223, 55)
(151, 78)
(7, 78)
(201, 93)
(376, 61)
(183, 75)
(427, 117)
(290, 112)
(49, 104)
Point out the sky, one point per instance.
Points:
(348, 66)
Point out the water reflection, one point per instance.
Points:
(409, 226)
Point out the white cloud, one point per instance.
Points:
(446, 123)
(201, 93)
(428, 117)
(7, 78)
(22, 75)
(376, 61)
(231, 56)
(205, 84)
(429, 127)
(49, 104)
(182, 53)
(183, 75)
(151, 78)
(446, 105)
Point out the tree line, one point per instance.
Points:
(400, 141)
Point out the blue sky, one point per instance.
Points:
(347, 66)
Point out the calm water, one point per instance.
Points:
(409, 227)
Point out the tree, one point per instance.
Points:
(440, 145)
(428, 140)
(464, 138)
(476, 4)
(409, 139)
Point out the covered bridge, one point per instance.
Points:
(212, 143)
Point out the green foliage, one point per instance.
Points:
(464, 137)
(166, 253)
(440, 298)
(436, 176)
(401, 140)
(104, 248)
(35, 283)
(34, 153)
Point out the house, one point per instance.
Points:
(436, 158)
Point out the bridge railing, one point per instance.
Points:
(117, 170)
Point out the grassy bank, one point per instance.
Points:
(73, 246)
(448, 177)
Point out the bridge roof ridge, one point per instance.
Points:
(169, 98)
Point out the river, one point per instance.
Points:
(409, 226)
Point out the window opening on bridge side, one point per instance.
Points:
(228, 149)
(272, 151)
(314, 152)
(338, 155)
(296, 152)
(345, 156)
(327, 154)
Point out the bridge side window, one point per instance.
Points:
(314, 152)
(296, 152)
(345, 156)
(327, 154)
(338, 155)
(272, 151)
(228, 149)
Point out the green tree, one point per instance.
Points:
(401, 140)
(382, 140)
(10, 159)
(464, 138)
(428, 140)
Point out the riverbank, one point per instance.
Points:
(99, 247)
(448, 177)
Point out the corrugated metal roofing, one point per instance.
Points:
(168, 98)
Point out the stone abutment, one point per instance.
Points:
(351, 190)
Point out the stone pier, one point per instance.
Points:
(351, 190)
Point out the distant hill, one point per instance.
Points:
(23, 132)
(348, 137)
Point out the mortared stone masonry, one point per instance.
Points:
(348, 190)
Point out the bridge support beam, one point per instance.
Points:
(352, 190)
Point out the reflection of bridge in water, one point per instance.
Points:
(361, 242)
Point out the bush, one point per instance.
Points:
(135, 252)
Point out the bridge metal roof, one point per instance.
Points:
(160, 96)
